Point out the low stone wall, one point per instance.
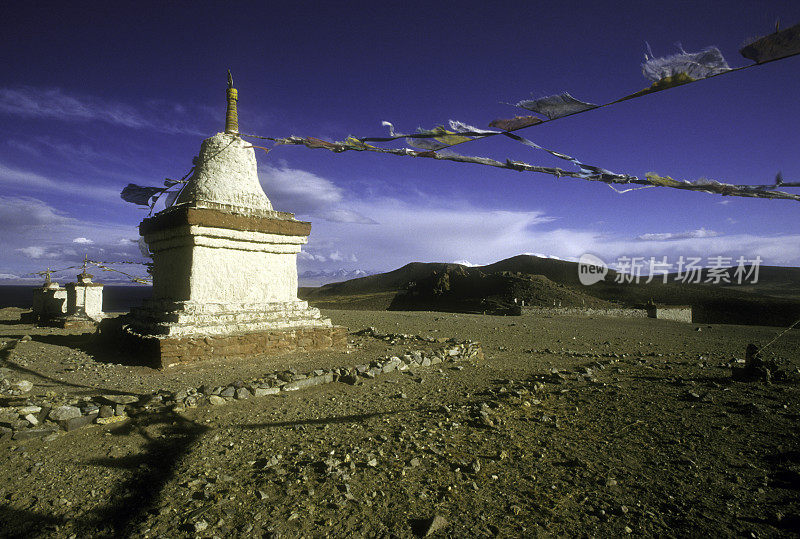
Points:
(678, 313)
(23, 418)
(581, 311)
(682, 313)
(171, 351)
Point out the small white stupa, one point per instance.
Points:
(49, 303)
(84, 303)
(225, 266)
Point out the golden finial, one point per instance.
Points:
(232, 115)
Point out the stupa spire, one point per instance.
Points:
(232, 115)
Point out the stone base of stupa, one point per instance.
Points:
(163, 334)
(187, 318)
(76, 322)
(162, 351)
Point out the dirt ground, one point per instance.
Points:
(569, 427)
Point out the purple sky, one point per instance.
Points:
(96, 97)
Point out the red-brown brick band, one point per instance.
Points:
(161, 353)
(183, 216)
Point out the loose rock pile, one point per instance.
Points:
(24, 417)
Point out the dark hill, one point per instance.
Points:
(453, 287)
(558, 271)
(385, 282)
(774, 300)
(776, 281)
(464, 289)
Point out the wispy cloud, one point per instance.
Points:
(55, 104)
(669, 236)
(306, 193)
(34, 232)
(437, 231)
(21, 214)
(344, 215)
(38, 251)
(29, 181)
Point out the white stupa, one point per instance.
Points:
(225, 266)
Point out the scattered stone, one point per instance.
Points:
(349, 378)
(120, 399)
(200, 525)
(89, 408)
(30, 418)
(23, 386)
(78, 422)
(27, 434)
(757, 368)
(308, 382)
(264, 391)
(229, 391)
(242, 393)
(25, 410)
(105, 411)
(216, 400)
(62, 413)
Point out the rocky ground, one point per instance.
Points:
(565, 426)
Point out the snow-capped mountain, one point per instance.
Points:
(318, 278)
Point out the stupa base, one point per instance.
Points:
(160, 351)
(75, 322)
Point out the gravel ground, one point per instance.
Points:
(569, 426)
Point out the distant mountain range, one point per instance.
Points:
(318, 278)
(773, 300)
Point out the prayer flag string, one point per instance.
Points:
(665, 72)
(101, 265)
(586, 172)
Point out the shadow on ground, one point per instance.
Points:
(7, 362)
(153, 468)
